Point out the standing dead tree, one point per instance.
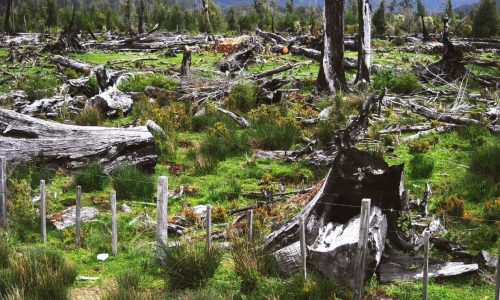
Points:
(7, 28)
(208, 24)
(140, 16)
(364, 49)
(331, 77)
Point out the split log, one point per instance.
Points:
(28, 140)
(398, 267)
(237, 61)
(354, 175)
(335, 250)
(72, 64)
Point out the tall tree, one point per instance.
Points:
(448, 8)
(127, 14)
(140, 15)
(379, 19)
(364, 49)
(421, 14)
(51, 16)
(331, 77)
(7, 24)
(208, 25)
(485, 22)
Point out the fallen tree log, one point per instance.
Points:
(237, 61)
(238, 119)
(72, 64)
(28, 140)
(442, 117)
(284, 68)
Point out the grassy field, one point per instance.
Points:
(212, 158)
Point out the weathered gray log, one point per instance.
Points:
(155, 129)
(53, 107)
(72, 64)
(112, 101)
(442, 117)
(272, 37)
(281, 69)
(28, 140)
(238, 119)
(399, 267)
(68, 217)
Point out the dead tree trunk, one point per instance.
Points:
(29, 140)
(364, 49)
(186, 62)
(7, 28)
(331, 77)
(208, 24)
(424, 30)
(140, 17)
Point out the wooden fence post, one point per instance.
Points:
(425, 276)
(250, 225)
(43, 210)
(161, 213)
(497, 292)
(78, 210)
(3, 191)
(303, 249)
(363, 239)
(209, 228)
(114, 226)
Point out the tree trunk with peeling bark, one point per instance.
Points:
(208, 24)
(331, 76)
(8, 16)
(364, 49)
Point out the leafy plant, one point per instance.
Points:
(90, 116)
(485, 162)
(189, 265)
(131, 183)
(139, 82)
(452, 206)
(38, 87)
(91, 178)
(421, 166)
(41, 273)
(242, 97)
(406, 84)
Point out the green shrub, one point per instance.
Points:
(271, 131)
(210, 118)
(242, 97)
(138, 83)
(383, 79)
(4, 249)
(315, 288)
(492, 209)
(485, 162)
(419, 147)
(474, 187)
(475, 134)
(91, 178)
(189, 265)
(23, 218)
(127, 287)
(90, 116)
(38, 86)
(42, 274)
(131, 183)
(421, 166)
(406, 84)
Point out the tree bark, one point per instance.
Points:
(7, 28)
(29, 140)
(141, 17)
(364, 49)
(208, 24)
(331, 76)
(186, 62)
(424, 30)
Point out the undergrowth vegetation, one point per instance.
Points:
(139, 82)
(132, 183)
